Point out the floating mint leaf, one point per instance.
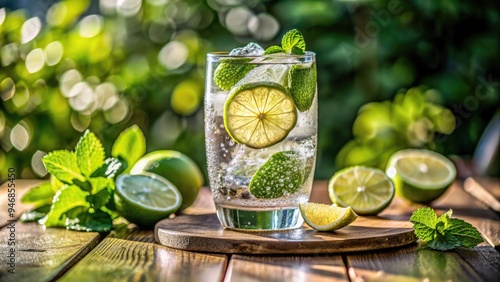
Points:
(230, 71)
(293, 42)
(281, 173)
(273, 50)
(130, 146)
(63, 165)
(89, 153)
(302, 85)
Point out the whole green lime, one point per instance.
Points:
(177, 168)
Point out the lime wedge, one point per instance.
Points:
(230, 71)
(282, 173)
(367, 191)
(259, 114)
(420, 175)
(144, 199)
(302, 84)
(326, 218)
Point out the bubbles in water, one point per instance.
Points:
(252, 49)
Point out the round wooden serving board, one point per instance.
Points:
(203, 233)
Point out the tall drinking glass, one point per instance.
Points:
(260, 137)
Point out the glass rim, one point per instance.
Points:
(225, 54)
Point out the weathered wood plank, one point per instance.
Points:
(133, 233)
(121, 260)
(485, 261)
(410, 264)
(42, 254)
(202, 205)
(286, 268)
(21, 188)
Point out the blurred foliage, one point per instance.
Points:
(70, 65)
(382, 128)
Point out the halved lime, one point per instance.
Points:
(282, 173)
(366, 190)
(259, 114)
(177, 168)
(326, 218)
(144, 199)
(420, 175)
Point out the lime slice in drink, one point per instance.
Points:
(302, 84)
(144, 199)
(420, 175)
(282, 173)
(326, 218)
(259, 114)
(366, 190)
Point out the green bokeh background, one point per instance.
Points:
(66, 66)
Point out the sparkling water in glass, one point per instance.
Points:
(239, 161)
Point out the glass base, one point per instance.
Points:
(259, 220)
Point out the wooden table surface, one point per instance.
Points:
(130, 254)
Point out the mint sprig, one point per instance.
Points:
(85, 201)
(292, 43)
(444, 232)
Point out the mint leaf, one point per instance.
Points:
(62, 164)
(35, 214)
(443, 233)
(302, 85)
(102, 189)
(464, 232)
(84, 185)
(293, 42)
(230, 71)
(424, 222)
(41, 194)
(100, 183)
(111, 168)
(273, 50)
(130, 146)
(100, 199)
(97, 221)
(89, 153)
(444, 242)
(65, 199)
